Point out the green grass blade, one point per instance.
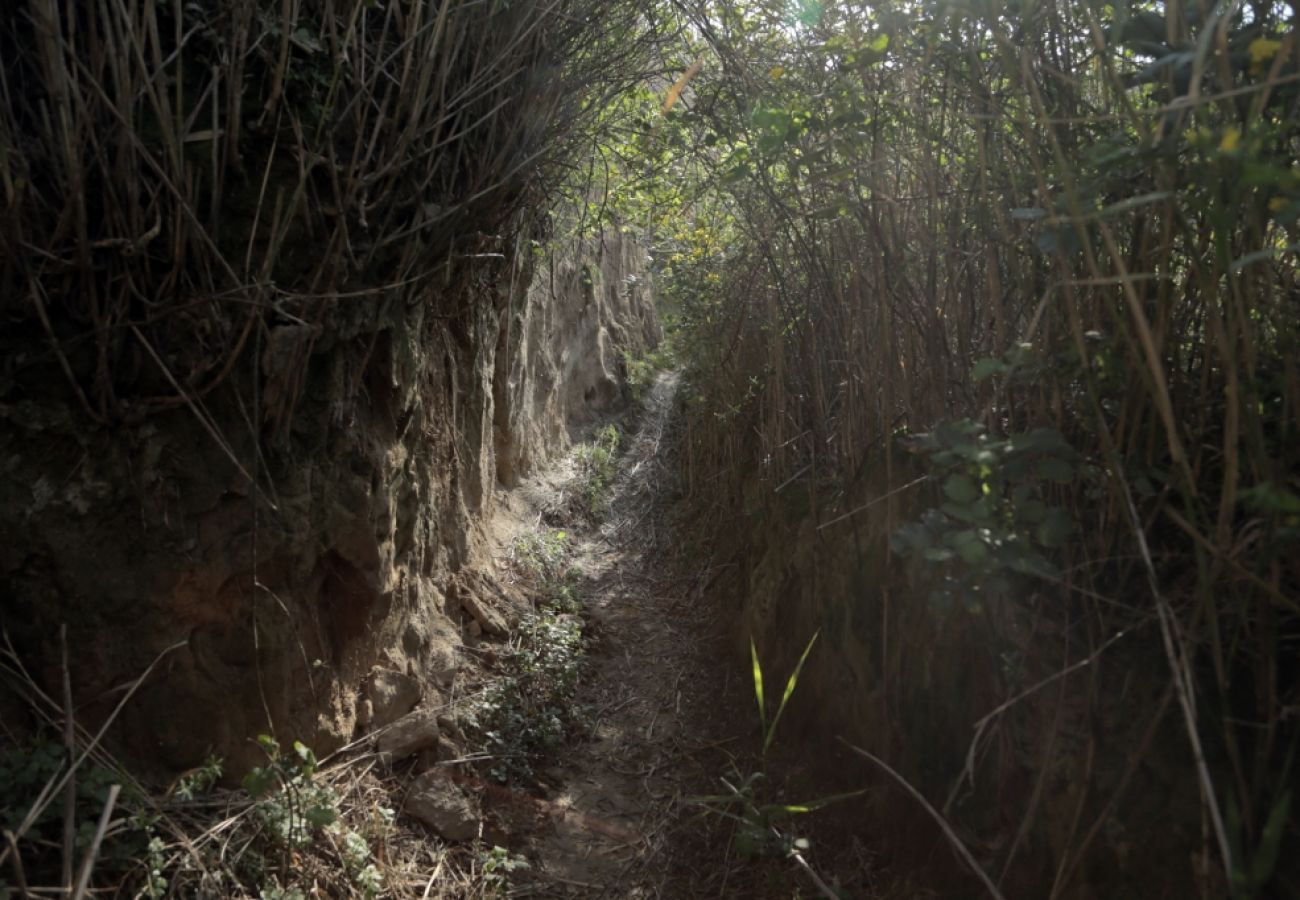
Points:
(770, 731)
(795, 809)
(758, 687)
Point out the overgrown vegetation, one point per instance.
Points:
(1012, 284)
(202, 200)
(216, 171)
(530, 708)
(1051, 248)
(643, 368)
(286, 829)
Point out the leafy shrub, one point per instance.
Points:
(524, 716)
(996, 522)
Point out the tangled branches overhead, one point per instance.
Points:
(177, 175)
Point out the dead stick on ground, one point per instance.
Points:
(826, 889)
(20, 876)
(934, 814)
(88, 864)
(70, 748)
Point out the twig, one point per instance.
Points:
(826, 889)
(70, 748)
(968, 773)
(20, 877)
(934, 814)
(881, 498)
(88, 864)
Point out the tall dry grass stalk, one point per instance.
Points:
(179, 176)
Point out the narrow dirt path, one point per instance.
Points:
(623, 788)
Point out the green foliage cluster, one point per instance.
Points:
(498, 865)
(530, 708)
(296, 810)
(526, 713)
(543, 557)
(642, 368)
(996, 520)
(26, 768)
(596, 461)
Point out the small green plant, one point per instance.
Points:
(291, 804)
(759, 830)
(26, 768)
(198, 782)
(642, 368)
(155, 884)
(355, 853)
(541, 553)
(273, 891)
(595, 462)
(295, 808)
(498, 865)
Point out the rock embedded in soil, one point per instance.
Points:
(446, 751)
(443, 805)
(491, 621)
(410, 734)
(387, 696)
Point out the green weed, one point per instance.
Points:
(498, 865)
(596, 468)
(25, 770)
(641, 369)
(296, 810)
(543, 558)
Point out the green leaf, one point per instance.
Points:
(987, 368)
(758, 685)
(973, 552)
(1270, 840)
(260, 782)
(1053, 468)
(795, 809)
(975, 513)
(961, 488)
(789, 689)
(321, 816)
(1055, 528)
(1030, 562)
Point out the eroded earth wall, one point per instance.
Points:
(268, 544)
